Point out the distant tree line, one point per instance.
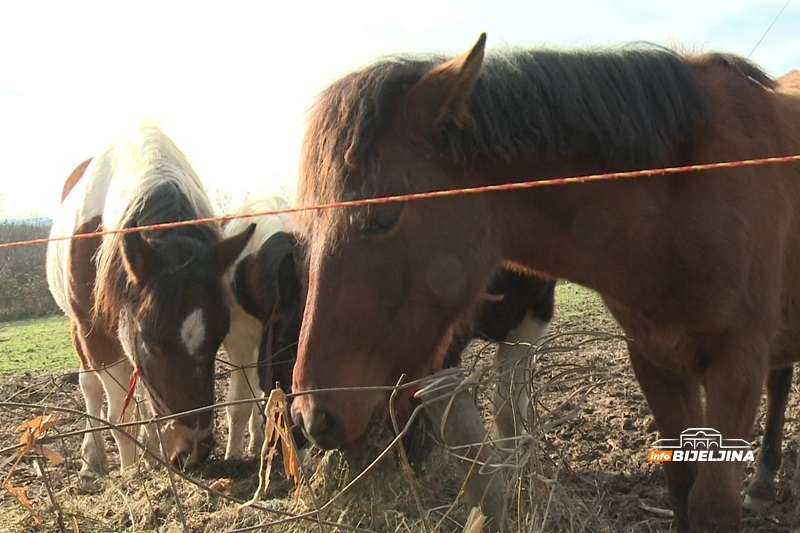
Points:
(23, 282)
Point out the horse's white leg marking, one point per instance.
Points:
(93, 450)
(511, 395)
(457, 422)
(115, 380)
(242, 344)
(193, 331)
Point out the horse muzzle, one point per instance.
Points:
(322, 427)
(333, 419)
(190, 446)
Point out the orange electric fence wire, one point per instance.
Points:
(435, 194)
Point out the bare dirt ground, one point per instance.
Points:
(589, 471)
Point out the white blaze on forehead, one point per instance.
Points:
(193, 331)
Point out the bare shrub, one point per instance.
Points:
(23, 283)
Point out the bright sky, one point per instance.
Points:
(231, 81)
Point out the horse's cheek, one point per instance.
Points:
(445, 278)
(357, 300)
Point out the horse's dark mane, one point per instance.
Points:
(622, 108)
(184, 247)
(743, 67)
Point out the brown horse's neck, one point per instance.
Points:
(579, 230)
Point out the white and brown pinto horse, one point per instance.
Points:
(265, 315)
(151, 300)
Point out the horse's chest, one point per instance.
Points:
(664, 344)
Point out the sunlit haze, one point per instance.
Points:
(231, 82)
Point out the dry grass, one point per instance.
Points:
(389, 498)
(582, 467)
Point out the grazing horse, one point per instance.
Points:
(153, 301)
(697, 268)
(265, 317)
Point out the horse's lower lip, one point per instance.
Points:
(180, 460)
(186, 460)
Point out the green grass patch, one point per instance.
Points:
(579, 308)
(574, 301)
(41, 343)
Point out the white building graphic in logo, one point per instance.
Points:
(700, 444)
(695, 438)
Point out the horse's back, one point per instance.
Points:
(790, 81)
(768, 196)
(103, 194)
(80, 212)
(250, 275)
(266, 224)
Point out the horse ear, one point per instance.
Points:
(138, 257)
(74, 178)
(229, 249)
(443, 91)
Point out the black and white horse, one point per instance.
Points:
(516, 312)
(265, 316)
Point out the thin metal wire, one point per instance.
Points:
(428, 195)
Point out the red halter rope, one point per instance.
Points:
(131, 390)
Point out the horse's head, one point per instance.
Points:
(174, 326)
(387, 283)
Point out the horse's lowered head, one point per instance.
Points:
(172, 324)
(387, 288)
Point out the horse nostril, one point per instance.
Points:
(297, 415)
(179, 460)
(325, 429)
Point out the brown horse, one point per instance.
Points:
(152, 300)
(761, 488)
(699, 269)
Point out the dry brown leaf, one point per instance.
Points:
(19, 494)
(50, 454)
(221, 485)
(39, 424)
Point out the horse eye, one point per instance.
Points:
(379, 223)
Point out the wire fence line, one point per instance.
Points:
(482, 189)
